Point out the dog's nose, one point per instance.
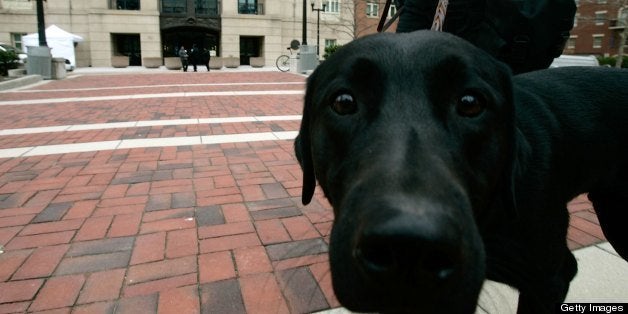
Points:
(408, 249)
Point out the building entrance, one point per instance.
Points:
(128, 45)
(250, 46)
(173, 39)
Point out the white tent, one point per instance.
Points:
(60, 42)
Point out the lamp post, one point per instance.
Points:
(41, 25)
(304, 34)
(318, 27)
(39, 57)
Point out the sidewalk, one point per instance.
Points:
(153, 191)
(29, 80)
(162, 69)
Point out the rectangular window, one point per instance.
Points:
(571, 42)
(330, 42)
(206, 7)
(372, 9)
(597, 41)
(124, 4)
(16, 39)
(250, 7)
(600, 17)
(173, 6)
(392, 11)
(332, 6)
(622, 15)
(17, 4)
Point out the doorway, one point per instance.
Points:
(127, 45)
(250, 46)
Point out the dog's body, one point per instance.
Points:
(443, 170)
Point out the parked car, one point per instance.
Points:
(20, 53)
(68, 65)
(568, 60)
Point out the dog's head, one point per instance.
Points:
(409, 136)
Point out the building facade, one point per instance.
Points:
(158, 28)
(598, 25)
(598, 28)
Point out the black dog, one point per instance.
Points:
(444, 170)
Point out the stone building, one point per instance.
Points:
(157, 28)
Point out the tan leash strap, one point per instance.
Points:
(439, 16)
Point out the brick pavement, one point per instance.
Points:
(212, 228)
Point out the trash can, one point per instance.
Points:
(308, 60)
(58, 68)
(39, 61)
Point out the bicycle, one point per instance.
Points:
(283, 62)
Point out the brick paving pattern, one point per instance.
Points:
(182, 229)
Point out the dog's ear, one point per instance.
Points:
(302, 148)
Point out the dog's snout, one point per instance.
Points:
(408, 249)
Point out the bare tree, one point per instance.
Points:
(346, 23)
(353, 20)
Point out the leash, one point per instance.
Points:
(437, 25)
(439, 16)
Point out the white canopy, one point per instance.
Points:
(60, 42)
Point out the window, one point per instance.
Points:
(601, 1)
(571, 42)
(206, 7)
(332, 6)
(597, 40)
(372, 9)
(600, 17)
(250, 7)
(575, 19)
(16, 38)
(330, 43)
(622, 16)
(124, 4)
(392, 11)
(173, 6)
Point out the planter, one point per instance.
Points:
(17, 72)
(173, 63)
(215, 63)
(231, 62)
(119, 61)
(258, 62)
(152, 63)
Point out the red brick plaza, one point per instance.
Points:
(166, 192)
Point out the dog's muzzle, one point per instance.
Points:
(404, 256)
(408, 249)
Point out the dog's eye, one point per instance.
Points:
(344, 104)
(470, 106)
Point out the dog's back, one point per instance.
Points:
(575, 140)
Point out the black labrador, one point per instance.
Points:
(443, 169)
